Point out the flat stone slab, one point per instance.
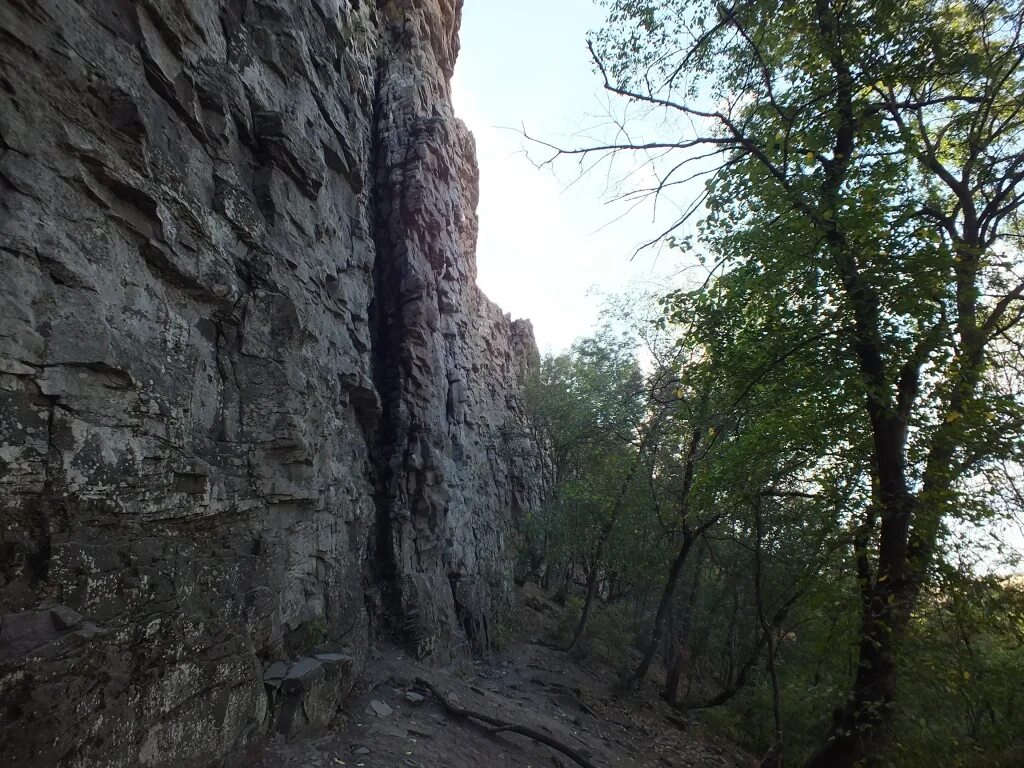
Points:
(379, 708)
(391, 731)
(276, 672)
(301, 675)
(64, 617)
(332, 658)
(21, 633)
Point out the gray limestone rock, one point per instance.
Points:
(379, 708)
(253, 406)
(275, 673)
(389, 731)
(414, 698)
(64, 617)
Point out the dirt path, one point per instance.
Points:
(391, 722)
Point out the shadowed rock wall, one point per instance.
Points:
(253, 409)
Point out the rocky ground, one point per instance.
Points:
(394, 721)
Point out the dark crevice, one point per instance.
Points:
(384, 342)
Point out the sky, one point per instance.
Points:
(550, 244)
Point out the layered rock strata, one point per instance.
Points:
(254, 411)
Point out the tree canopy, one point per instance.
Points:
(854, 344)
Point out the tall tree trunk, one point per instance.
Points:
(689, 536)
(663, 607)
(774, 758)
(668, 646)
(678, 669)
(602, 545)
(736, 684)
(861, 726)
(581, 625)
(563, 591)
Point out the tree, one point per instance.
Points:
(685, 397)
(865, 163)
(715, 437)
(590, 404)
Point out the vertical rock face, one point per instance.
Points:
(253, 408)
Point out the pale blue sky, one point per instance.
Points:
(546, 249)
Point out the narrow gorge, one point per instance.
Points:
(255, 415)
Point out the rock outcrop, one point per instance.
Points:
(253, 409)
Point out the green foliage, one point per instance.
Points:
(315, 633)
(959, 702)
(501, 613)
(771, 450)
(856, 341)
(611, 634)
(837, 403)
(961, 699)
(589, 403)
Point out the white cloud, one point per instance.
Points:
(530, 259)
(543, 250)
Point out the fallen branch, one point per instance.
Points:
(502, 726)
(548, 644)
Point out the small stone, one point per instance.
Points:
(360, 749)
(379, 708)
(414, 698)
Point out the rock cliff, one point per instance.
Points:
(254, 411)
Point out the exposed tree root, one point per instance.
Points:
(502, 726)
